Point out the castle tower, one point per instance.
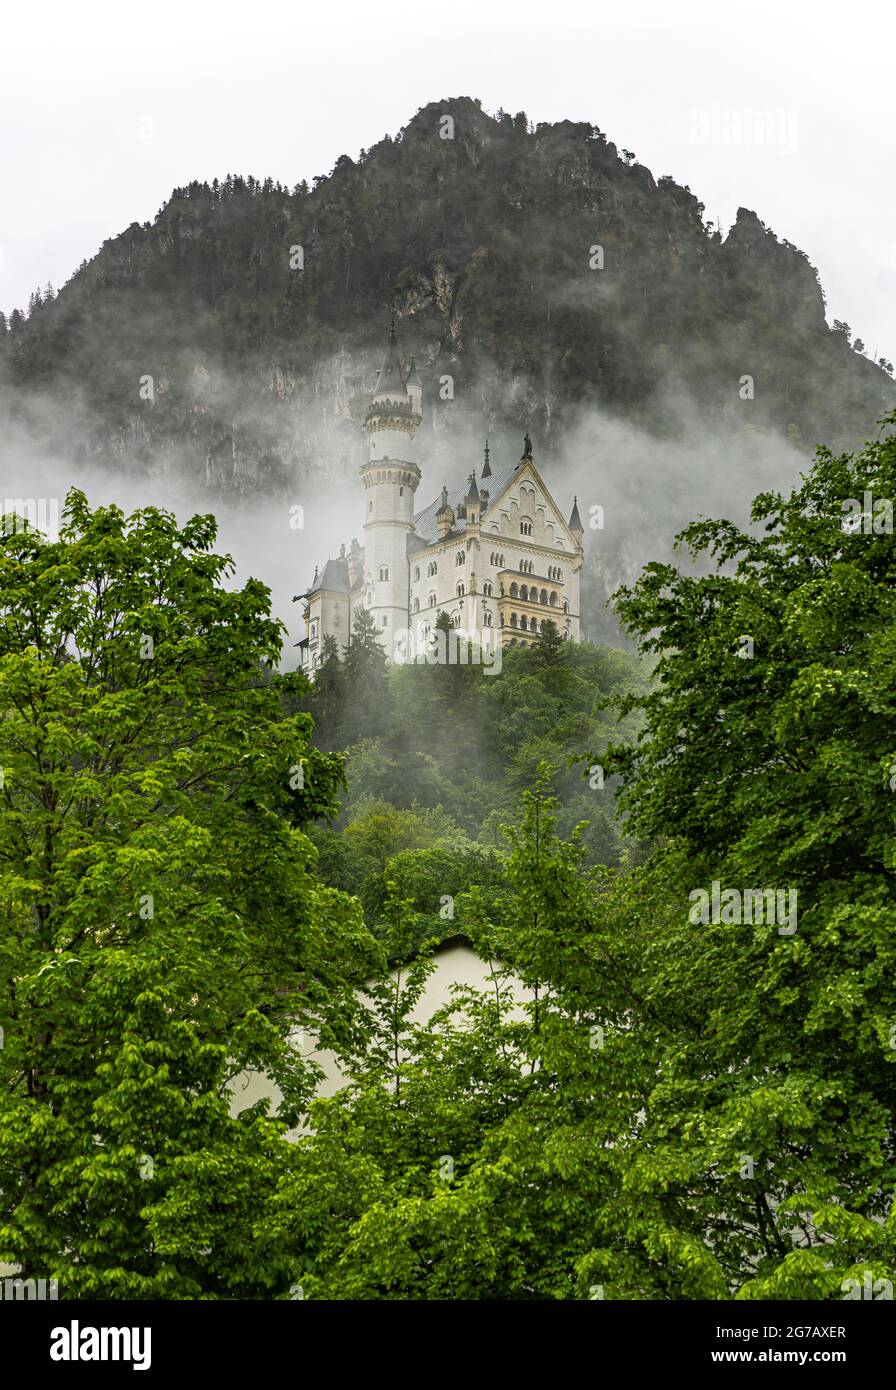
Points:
(390, 477)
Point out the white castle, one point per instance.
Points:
(497, 557)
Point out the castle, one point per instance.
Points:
(496, 557)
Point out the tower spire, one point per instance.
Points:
(486, 467)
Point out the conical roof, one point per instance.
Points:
(413, 376)
(390, 381)
(575, 523)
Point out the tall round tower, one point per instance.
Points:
(390, 477)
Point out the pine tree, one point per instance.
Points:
(328, 699)
(364, 670)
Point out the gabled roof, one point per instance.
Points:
(334, 578)
(425, 521)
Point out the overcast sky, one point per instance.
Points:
(785, 108)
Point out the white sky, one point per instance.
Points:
(105, 107)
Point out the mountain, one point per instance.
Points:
(196, 350)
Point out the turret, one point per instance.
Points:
(414, 388)
(354, 563)
(484, 492)
(575, 524)
(394, 412)
(471, 503)
(444, 517)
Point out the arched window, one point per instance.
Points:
(514, 589)
(455, 621)
(513, 620)
(431, 599)
(416, 605)
(525, 527)
(566, 605)
(524, 593)
(383, 573)
(553, 599)
(460, 591)
(543, 596)
(460, 557)
(487, 619)
(487, 588)
(416, 571)
(433, 569)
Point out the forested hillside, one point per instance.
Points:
(485, 244)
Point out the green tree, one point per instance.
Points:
(162, 927)
(367, 705)
(328, 697)
(768, 755)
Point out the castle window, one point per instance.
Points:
(383, 574)
(525, 527)
(313, 631)
(401, 492)
(431, 599)
(513, 622)
(416, 605)
(487, 619)
(384, 620)
(487, 588)
(459, 557)
(553, 600)
(514, 589)
(566, 605)
(543, 596)
(433, 569)
(524, 593)
(416, 571)
(460, 591)
(455, 621)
